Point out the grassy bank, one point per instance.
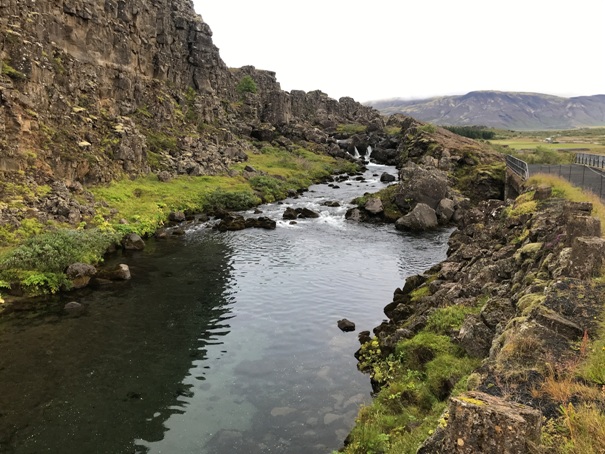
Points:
(36, 262)
(564, 189)
(415, 382)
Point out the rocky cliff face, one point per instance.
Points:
(94, 91)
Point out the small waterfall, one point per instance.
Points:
(356, 155)
(368, 153)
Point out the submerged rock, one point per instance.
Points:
(346, 325)
(73, 308)
(119, 273)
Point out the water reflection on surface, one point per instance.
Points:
(221, 343)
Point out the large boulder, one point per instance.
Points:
(481, 423)
(80, 274)
(445, 210)
(421, 218)
(387, 177)
(374, 206)
(290, 213)
(133, 242)
(421, 185)
(354, 214)
(587, 257)
(475, 337)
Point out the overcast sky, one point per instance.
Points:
(416, 48)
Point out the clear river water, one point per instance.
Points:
(220, 343)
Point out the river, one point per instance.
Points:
(220, 343)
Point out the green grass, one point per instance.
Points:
(445, 320)
(417, 380)
(564, 189)
(145, 203)
(351, 128)
(38, 264)
(524, 144)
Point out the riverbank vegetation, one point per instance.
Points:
(549, 147)
(36, 262)
(564, 189)
(415, 382)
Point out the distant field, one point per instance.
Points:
(525, 143)
(591, 138)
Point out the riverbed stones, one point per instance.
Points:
(290, 213)
(354, 214)
(176, 216)
(387, 177)
(282, 411)
(120, 272)
(73, 307)
(299, 213)
(234, 222)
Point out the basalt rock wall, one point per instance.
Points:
(93, 91)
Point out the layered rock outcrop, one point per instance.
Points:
(95, 91)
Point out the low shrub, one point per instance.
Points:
(220, 200)
(269, 188)
(52, 252)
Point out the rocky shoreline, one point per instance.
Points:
(519, 294)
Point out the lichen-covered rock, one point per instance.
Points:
(479, 423)
(475, 337)
(421, 218)
(587, 257)
(421, 185)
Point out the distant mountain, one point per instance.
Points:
(501, 109)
